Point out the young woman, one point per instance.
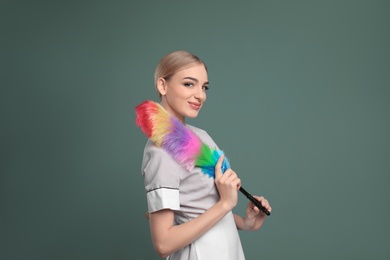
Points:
(190, 214)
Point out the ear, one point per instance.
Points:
(162, 87)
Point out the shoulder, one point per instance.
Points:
(155, 157)
(197, 130)
(155, 152)
(203, 135)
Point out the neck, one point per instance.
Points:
(165, 105)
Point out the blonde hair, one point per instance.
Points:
(172, 63)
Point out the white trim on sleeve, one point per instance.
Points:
(163, 198)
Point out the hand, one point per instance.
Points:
(227, 184)
(254, 217)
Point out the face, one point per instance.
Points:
(184, 94)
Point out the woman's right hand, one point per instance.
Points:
(227, 184)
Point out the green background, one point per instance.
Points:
(299, 100)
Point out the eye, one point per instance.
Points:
(188, 84)
(205, 87)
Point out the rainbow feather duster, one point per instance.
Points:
(167, 132)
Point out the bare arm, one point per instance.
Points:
(168, 238)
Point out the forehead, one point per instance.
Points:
(193, 70)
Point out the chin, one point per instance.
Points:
(192, 115)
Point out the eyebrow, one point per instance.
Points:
(196, 80)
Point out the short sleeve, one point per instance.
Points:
(161, 178)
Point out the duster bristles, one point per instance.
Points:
(166, 131)
(153, 120)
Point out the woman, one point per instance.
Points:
(190, 214)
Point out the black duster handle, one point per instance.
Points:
(257, 204)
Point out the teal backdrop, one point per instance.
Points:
(299, 100)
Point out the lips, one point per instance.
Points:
(195, 105)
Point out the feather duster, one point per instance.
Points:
(185, 147)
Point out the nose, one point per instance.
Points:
(200, 94)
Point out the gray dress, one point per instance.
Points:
(169, 186)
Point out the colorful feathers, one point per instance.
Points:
(166, 131)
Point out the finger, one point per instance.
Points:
(259, 198)
(253, 207)
(239, 184)
(230, 176)
(218, 171)
(227, 176)
(264, 202)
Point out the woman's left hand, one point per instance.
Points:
(254, 217)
